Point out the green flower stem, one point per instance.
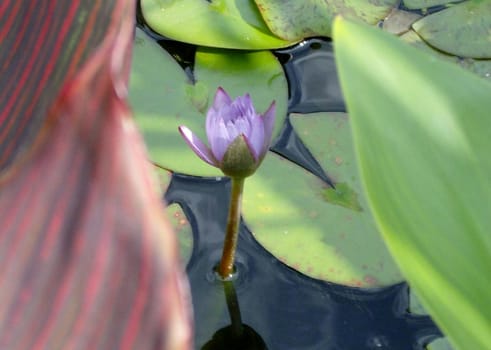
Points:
(226, 267)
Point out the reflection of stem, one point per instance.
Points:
(226, 267)
(233, 308)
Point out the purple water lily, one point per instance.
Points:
(238, 136)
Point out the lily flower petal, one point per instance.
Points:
(255, 138)
(198, 146)
(219, 138)
(221, 99)
(268, 120)
(238, 136)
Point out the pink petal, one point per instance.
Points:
(221, 98)
(198, 146)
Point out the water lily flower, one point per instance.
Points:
(238, 136)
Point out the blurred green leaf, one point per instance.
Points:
(294, 20)
(423, 150)
(461, 30)
(163, 97)
(233, 24)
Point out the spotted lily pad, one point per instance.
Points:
(293, 19)
(163, 97)
(234, 24)
(287, 210)
(463, 30)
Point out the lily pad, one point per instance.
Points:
(463, 30)
(286, 209)
(294, 20)
(234, 24)
(183, 230)
(163, 98)
(423, 4)
(480, 67)
(412, 38)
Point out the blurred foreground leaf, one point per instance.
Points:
(423, 149)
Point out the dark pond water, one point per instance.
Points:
(282, 308)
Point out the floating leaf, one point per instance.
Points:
(461, 30)
(423, 154)
(163, 98)
(286, 209)
(233, 24)
(88, 260)
(294, 20)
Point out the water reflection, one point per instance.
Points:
(237, 335)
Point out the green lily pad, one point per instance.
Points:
(412, 38)
(294, 20)
(480, 67)
(183, 230)
(286, 209)
(422, 4)
(234, 24)
(463, 30)
(162, 97)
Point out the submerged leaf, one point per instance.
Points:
(87, 257)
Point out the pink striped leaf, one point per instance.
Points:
(87, 258)
(42, 44)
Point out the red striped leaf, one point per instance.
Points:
(87, 258)
(41, 44)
